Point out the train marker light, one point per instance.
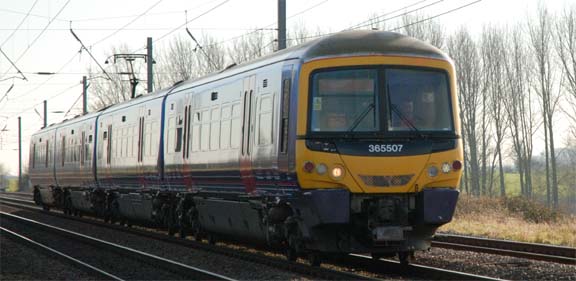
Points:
(432, 171)
(456, 165)
(446, 168)
(337, 173)
(308, 166)
(321, 169)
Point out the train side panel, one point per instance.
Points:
(128, 140)
(41, 165)
(74, 149)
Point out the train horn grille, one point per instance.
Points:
(386, 181)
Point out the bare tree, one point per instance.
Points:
(518, 106)
(299, 34)
(463, 50)
(176, 62)
(212, 57)
(427, 30)
(492, 49)
(566, 49)
(541, 44)
(250, 46)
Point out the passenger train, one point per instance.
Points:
(346, 144)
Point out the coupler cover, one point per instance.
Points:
(438, 205)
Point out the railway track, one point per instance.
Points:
(276, 262)
(60, 255)
(543, 252)
(100, 256)
(551, 253)
(359, 262)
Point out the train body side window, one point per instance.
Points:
(196, 132)
(205, 133)
(34, 156)
(265, 120)
(63, 151)
(47, 152)
(170, 143)
(215, 129)
(178, 147)
(225, 127)
(236, 129)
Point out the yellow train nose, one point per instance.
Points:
(385, 174)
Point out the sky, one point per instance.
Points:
(35, 35)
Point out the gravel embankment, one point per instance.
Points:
(502, 267)
(20, 262)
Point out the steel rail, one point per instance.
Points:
(416, 270)
(175, 266)
(534, 251)
(86, 267)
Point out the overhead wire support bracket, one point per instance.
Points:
(202, 49)
(14, 65)
(88, 51)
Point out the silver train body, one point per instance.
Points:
(223, 155)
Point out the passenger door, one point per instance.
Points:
(246, 148)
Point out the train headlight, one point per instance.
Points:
(321, 169)
(432, 171)
(337, 173)
(446, 168)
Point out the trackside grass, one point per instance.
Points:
(512, 219)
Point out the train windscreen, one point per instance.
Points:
(350, 100)
(345, 100)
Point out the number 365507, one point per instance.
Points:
(385, 147)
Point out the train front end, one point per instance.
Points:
(378, 152)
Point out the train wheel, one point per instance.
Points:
(291, 254)
(404, 257)
(314, 258)
(172, 231)
(211, 239)
(182, 233)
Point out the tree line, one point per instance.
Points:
(514, 84)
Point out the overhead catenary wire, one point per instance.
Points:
(435, 16)
(370, 21)
(39, 35)
(13, 65)
(130, 22)
(399, 15)
(99, 19)
(201, 49)
(90, 53)
(73, 104)
(47, 99)
(20, 24)
(193, 19)
(266, 26)
(48, 79)
(400, 27)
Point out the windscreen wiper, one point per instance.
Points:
(361, 117)
(405, 120)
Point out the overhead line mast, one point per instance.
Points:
(281, 24)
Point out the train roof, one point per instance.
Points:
(368, 43)
(348, 43)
